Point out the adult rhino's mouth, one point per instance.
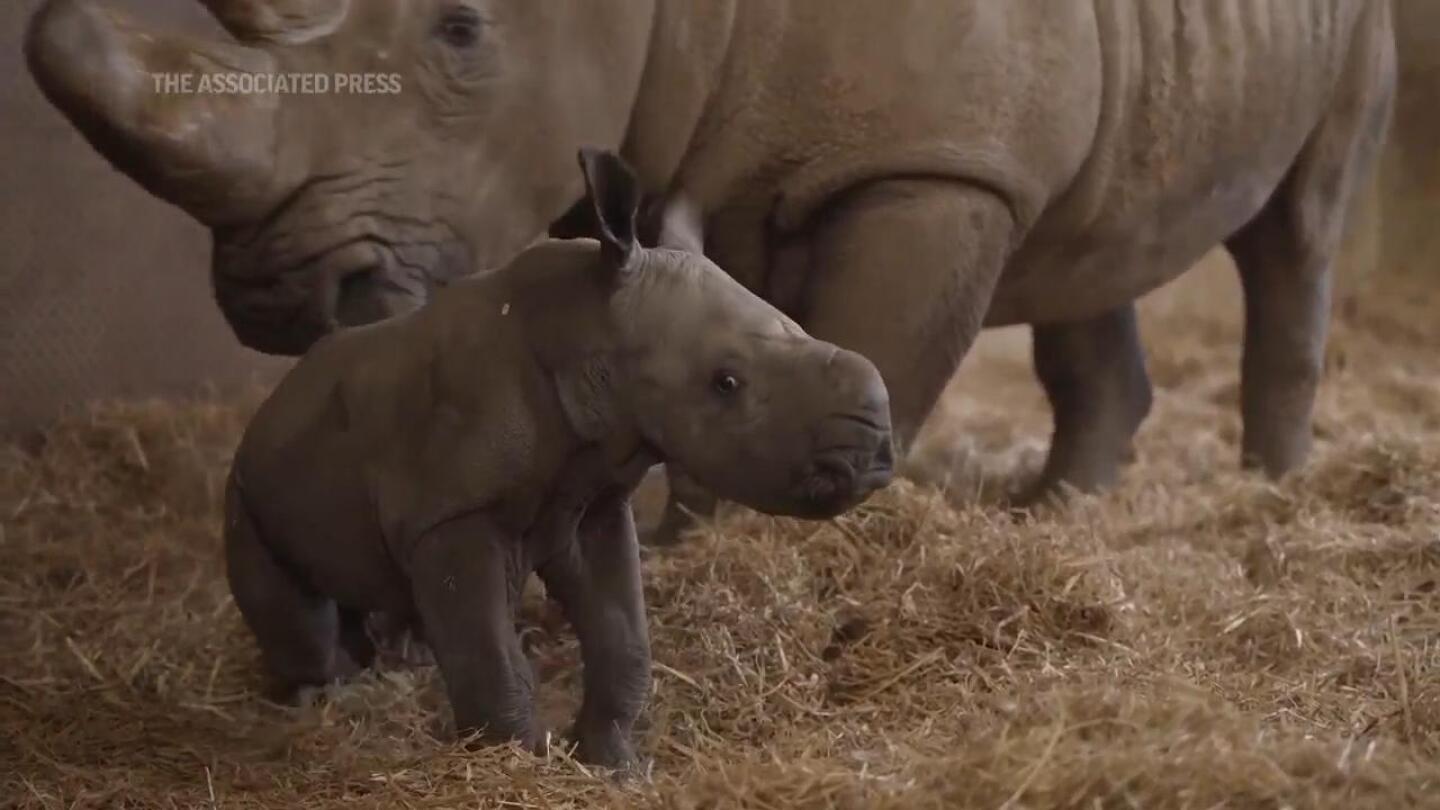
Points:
(373, 295)
(287, 234)
(360, 282)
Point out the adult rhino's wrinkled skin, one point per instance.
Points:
(345, 207)
(421, 468)
(894, 175)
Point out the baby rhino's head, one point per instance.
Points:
(729, 388)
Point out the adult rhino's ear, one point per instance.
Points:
(614, 192)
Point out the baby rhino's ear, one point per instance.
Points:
(615, 194)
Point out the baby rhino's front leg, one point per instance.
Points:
(597, 581)
(467, 578)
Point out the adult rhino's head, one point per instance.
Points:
(347, 206)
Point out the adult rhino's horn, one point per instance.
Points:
(174, 113)
(286, 22)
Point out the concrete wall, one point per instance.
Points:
(104, 290)
(1410, 173)
(1393, 227)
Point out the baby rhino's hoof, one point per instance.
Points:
(397, 641)
(608, 749)
(308, 693)
(537, 742)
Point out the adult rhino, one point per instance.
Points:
(895, 175)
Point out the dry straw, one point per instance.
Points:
(1199, 638)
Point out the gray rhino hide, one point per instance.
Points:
(894, 175)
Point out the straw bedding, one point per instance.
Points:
(1198, 638)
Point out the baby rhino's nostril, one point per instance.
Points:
(885, 455)
(836, 470)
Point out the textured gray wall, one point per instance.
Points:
(104, 290)
(1393, 228)
(1411, 170)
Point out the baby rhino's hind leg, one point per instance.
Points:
(298, 630)
(396, 639)
(355, 637)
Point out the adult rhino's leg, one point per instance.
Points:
(677, 225)
(686, 501)
(1287, 301)
(1286, 254)
(1094, 375)
(902, 271)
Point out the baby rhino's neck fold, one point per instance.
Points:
(587, 394)
(572, 335)
(590, 397)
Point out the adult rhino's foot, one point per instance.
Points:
(966, 474)
(1094, 376)
(673, 525)
(1276, 450)
(1071, 470)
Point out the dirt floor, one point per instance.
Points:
(1199, 638)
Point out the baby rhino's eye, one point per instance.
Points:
(726, 383)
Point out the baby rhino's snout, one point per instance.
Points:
(852, 448)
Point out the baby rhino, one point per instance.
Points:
(423, 467)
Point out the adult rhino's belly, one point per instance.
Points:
(1068, 274)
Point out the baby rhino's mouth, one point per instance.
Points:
(837, 479)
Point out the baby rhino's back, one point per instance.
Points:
(305, 469)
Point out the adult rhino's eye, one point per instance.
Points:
(726, 383)
(460, 27)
